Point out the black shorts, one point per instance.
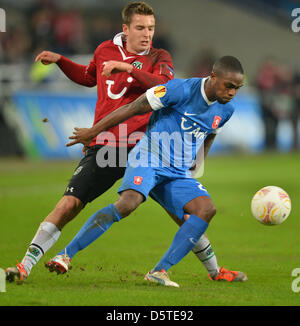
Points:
(89, 180)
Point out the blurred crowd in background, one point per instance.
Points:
(45, 25)
(74, 31)
(279, 93)
(278, 88)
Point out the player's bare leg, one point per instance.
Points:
(128, 201)
(65, 210)
(47, 234)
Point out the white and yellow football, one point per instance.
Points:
(271, 205)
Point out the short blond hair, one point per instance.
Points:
(140, 8)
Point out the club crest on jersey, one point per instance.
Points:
(216, 122)
(138, 65)
(138, 180)
(160, 91)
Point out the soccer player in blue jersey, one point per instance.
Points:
(186, 112)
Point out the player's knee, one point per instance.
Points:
(125, 208)
(209, 212)
(202, 207)
(206, 213)
(128, 201)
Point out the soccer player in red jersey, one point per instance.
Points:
(123, 69)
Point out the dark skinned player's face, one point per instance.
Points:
(226, 85)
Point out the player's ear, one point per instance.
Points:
(125, 29)
(213, 77)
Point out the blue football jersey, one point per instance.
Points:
(183, 117)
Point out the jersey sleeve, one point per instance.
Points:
(80, 74)
(161, 73)
(217, 131)
(228, 116)
(91, 69)
(170, 94)
(164, 65)
(162, 70)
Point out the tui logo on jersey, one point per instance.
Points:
(138, 65)
(191, 129)
(160, 91)
(216, 122)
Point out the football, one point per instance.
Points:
(271, 205)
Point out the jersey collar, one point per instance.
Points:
(120, 38)
(208, 102)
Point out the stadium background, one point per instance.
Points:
(259, 33)
(35, 165)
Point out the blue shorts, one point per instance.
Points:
(170, 190)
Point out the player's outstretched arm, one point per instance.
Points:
(80, 74)
(85, 135)
(48, 57)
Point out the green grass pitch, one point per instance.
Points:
(110, 272)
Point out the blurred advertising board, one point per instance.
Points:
(47, 120)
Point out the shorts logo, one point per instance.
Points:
(138, 180)
(216, 122)
(160, 91)
(77, 171)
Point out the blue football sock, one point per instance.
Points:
(93, 228)
(184, 241)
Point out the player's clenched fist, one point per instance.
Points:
(113, 67)
(48, 57)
